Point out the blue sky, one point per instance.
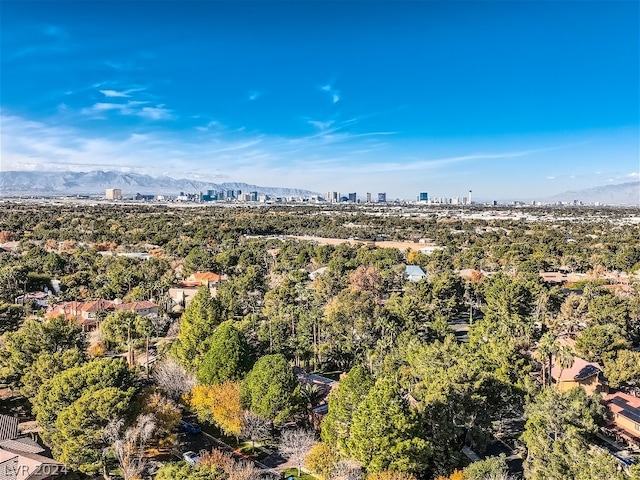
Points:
(510, 99)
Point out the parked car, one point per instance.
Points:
(192, 428)
(191, 457)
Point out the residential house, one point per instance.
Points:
(183, 293)
(37, 298)
(625, 422)
(90, 314)
(143, 308)
(205, 279)
(414, 273)
(316, 273)
(324, 387)
(587, 375)
(21, 457)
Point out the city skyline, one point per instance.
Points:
(510, 99)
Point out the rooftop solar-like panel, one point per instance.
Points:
(620, 402)
(586, 372)
(632, 414)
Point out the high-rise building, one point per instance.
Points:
(424, 197)
(368, 197)
(352, 197)
(382, 197)
(469, 199)
(113, 194)
(333, 197)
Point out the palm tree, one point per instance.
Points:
(310, 393)
(564, 358)
(544, 354)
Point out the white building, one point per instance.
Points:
(113, 194)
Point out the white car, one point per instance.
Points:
(191, 457)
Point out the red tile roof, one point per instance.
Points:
(204, 277)
(134, 306)
(627, 406)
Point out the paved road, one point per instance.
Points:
(206, 442)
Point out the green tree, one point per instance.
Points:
(348, 328)
(557, 432)
(10, 316)
(447, 292)
(199, 260)
(46, 366)
(78, 439)
(269, 388)
(184, 471)
(65, 388)
(596, 465)
(125, 327)
(454, 385)
(197, 324)
(13, 282)
(547, 347)
(228, 358)
(607, 308)
(343, 401)
(600, 341)
(490, 467)
(24, 346)
(384, 433)
(625, 368)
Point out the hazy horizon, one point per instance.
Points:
(509, 99)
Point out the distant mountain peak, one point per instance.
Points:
(627, 193)
(97, 181)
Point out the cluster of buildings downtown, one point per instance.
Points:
(254, 196)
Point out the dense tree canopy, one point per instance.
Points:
(269, 389)
(197, 324)
(35, 337)
(385, 433)
(228, 357)
(556, 434)
(414, 394)
(352, 389)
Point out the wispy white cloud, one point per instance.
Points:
(121, 93)
(132, 107)
(337, 154)
(633, 175)
(254, 95)
(155, 113)
(551, 178)
(320, 125)
(113, 93)
(334, 94)
(211, 125)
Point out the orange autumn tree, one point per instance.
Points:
(220, 405)
(456, 475)
(388, 475)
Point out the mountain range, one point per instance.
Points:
(619, 194)
(13, 183)
(96, 182)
